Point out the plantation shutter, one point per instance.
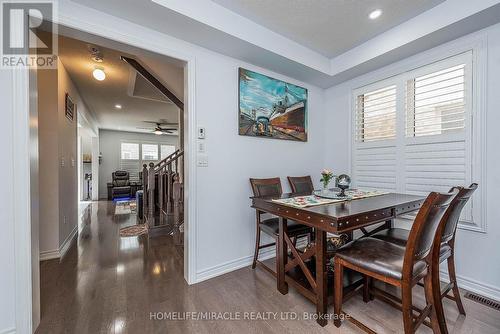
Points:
(374, 156)
(412, 133)
(438, 148)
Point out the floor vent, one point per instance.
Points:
(483, 300)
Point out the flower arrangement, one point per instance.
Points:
(326, 177)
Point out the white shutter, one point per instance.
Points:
(133, 167)
(425, 144)
(435, 103)
(376, 115)
(374, 156)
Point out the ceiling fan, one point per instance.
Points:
(159, 130)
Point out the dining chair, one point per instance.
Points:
(270, 226)
(301, 184)
(399, 266)
(400, 236)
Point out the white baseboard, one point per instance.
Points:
(236, 264)
(68, 242)
(475, 286)
(8, 331)
(59, 253)
(232, 265)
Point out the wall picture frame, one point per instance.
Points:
(271, 108)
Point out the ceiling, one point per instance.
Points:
(330, 27)
(212, 26)
(140, 100)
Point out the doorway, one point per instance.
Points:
(90, 189)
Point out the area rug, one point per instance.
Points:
(133, 231)
(123, 208)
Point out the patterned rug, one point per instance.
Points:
(123, 207)
(133, 231)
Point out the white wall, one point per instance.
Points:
(110, 144)
(57, 143)
(477, 254)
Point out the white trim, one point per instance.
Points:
(49, 255)
(8, 331)
(232, 265)
(63, 249)
(473, 285)
(22, 201)
(66, 245)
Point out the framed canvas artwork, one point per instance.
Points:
(271, 108)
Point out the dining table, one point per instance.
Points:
(305, 267)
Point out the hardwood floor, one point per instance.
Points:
(108, 284)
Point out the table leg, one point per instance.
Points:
(321, 278)
(282, 256)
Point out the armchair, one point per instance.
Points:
(120, 185)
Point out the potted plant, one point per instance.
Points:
(326, 177)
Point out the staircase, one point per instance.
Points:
(163, 200)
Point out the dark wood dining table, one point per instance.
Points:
(306, 269)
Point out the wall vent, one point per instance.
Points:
(483, 300)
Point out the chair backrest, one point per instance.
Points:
(301, 184)
(433, 212)
(120, 178)
(464, 194)
(266, 187)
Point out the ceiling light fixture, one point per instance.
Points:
(99, 74)
(375, 14)
(118, 106)
(158, 132)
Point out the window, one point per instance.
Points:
(435, 102)
(130, 151)
(150, 152)
(376, 115)
(412, 133)
(166, 150)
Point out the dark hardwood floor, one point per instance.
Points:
(108, 284)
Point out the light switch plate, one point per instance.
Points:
(201, 146)
(201, 132)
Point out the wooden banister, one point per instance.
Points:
(163, 195)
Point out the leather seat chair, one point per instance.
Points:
(399, 266)
(399, 236)
(121, 184)
(301, 184)
(270, 226)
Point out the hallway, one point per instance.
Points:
(108, 284)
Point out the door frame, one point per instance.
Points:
(84, 20)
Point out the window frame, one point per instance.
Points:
(475, 124)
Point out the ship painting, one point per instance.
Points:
(271, 108)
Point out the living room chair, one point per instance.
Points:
(120, 185)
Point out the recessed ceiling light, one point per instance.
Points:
(99, 74)
(375, 14)
(118, 106)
